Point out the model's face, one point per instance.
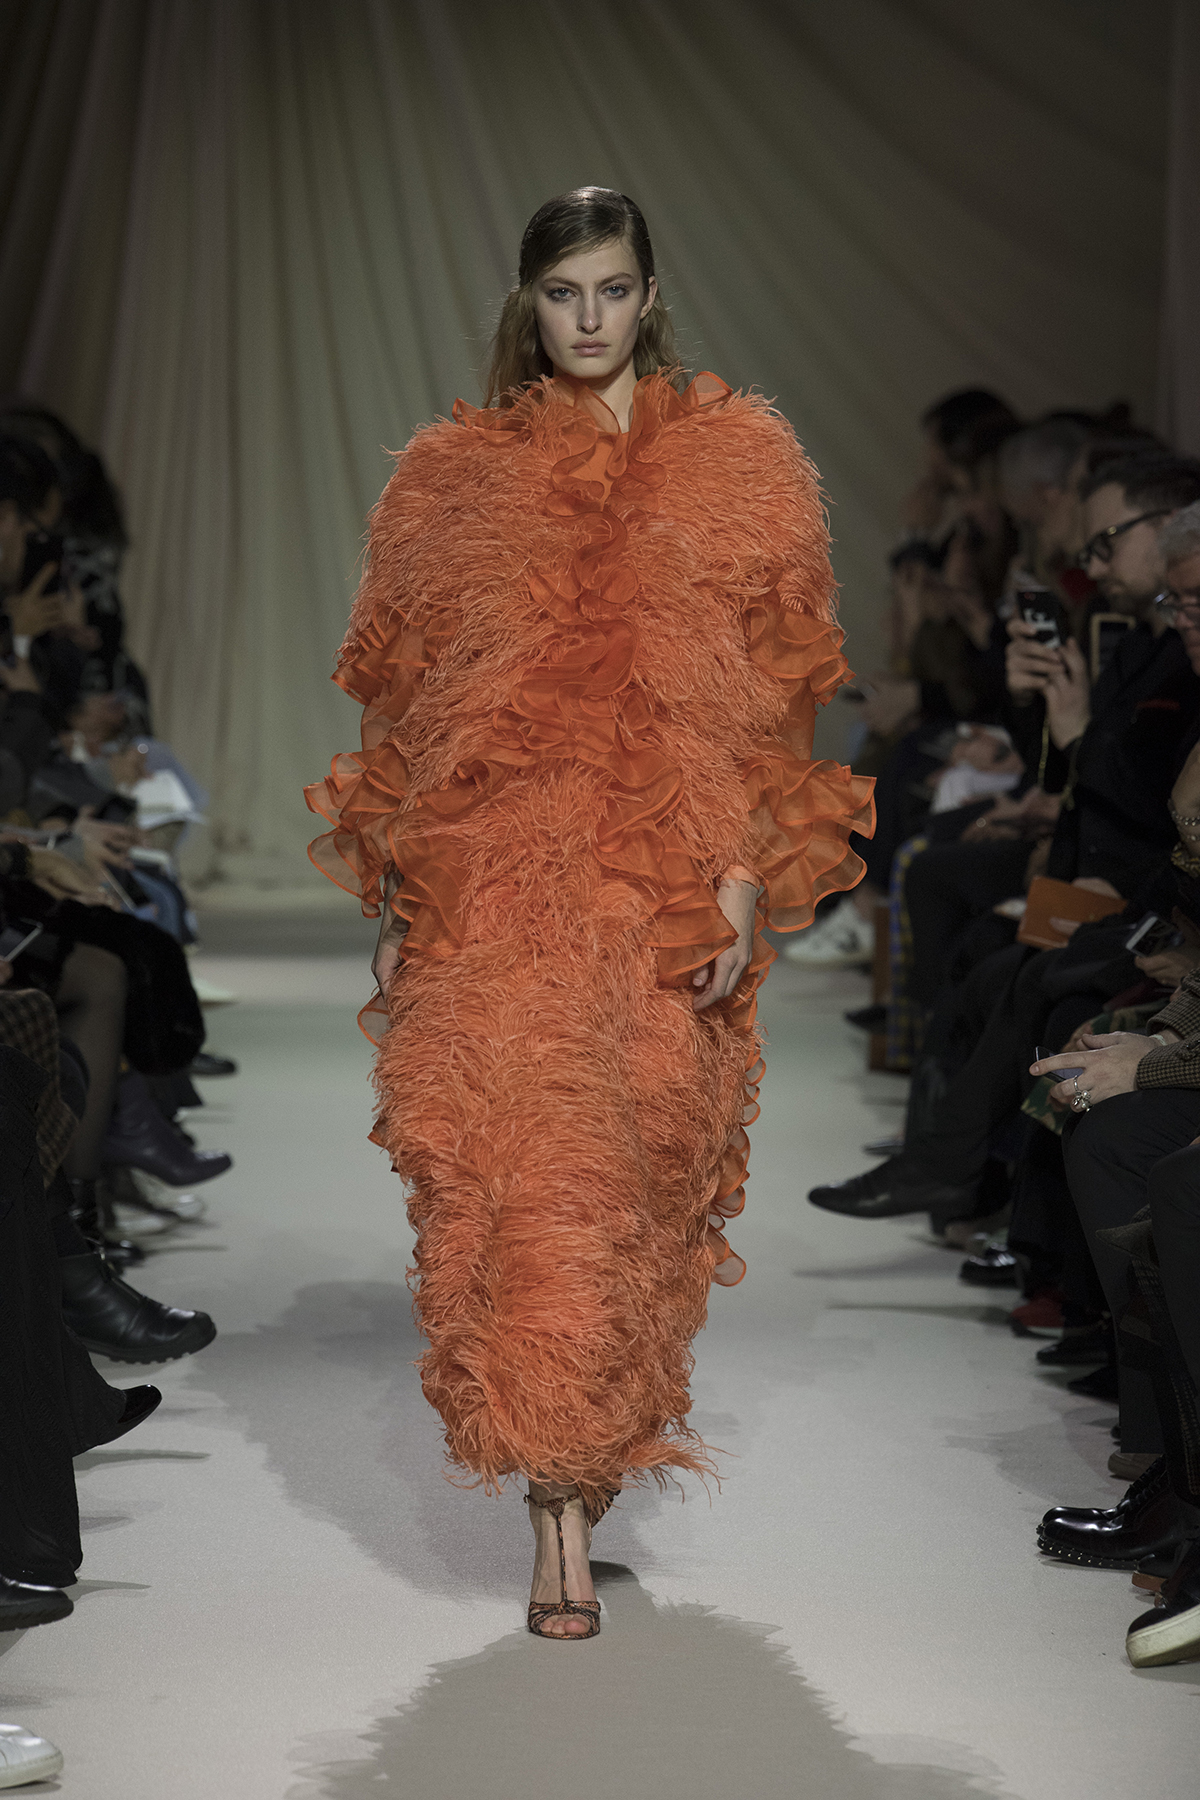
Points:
(1127, 566)
(588, 309)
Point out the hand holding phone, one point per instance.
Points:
(1040, 1053)
(1045, 614)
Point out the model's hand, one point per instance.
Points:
(1109, 1061)
(717, 981)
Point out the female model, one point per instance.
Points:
(594, 625)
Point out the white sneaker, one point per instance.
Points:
(24, 1757)
(842, 940)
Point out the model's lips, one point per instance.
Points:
(587, 347)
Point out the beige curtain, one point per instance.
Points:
(248, 245)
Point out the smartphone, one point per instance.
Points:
(1045, 612)
(15, 939)
(1152, 935)
(1040, 1053)
(42, 547)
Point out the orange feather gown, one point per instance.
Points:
(589, 663)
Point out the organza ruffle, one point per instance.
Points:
(579, 702)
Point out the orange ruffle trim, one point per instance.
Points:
(584, 705)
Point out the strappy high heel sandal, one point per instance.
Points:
(542, 1611)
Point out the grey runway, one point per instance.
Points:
(283, 1599)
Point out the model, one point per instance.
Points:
(595, 622)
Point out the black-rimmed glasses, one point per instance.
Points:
(1176, 609)
(1101, 546)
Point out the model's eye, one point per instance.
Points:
(618, 291)
(559, 293)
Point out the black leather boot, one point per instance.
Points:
(112, 1319)
(99, 1227)
(1153, 1526)
(141, 1138)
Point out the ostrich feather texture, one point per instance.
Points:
(589, 662)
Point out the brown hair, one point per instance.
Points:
(580, 220)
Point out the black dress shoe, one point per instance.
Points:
(1156, 1525)
(112, 1319)
(993, 1267)
(23, 1605)
(205, 1063)
(1079, 1349)
(140, 1138)
(889, 1191)
(140, 1402)
(1170, 1632)
(1147, 1486)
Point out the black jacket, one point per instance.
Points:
(1145, 709)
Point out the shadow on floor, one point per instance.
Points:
(674, 1701)
(330, 1390)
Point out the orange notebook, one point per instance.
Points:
(1049, 899)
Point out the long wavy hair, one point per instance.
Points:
(581, 220)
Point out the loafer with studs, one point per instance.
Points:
(1153, 1526)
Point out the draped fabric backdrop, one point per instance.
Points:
(246, 246)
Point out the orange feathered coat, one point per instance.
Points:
(590, 663)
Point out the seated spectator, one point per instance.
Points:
(94, 542)
(947, 661)
(1121, 746)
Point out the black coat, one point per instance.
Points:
(1145, 710)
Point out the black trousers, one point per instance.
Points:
(1110, 1154)
(948, 887)
(1036, 996)
(1173, 1190)
(53, 1404)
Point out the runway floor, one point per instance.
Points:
(282, 1599)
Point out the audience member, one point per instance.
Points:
(99, 1019)
(1044, 1167)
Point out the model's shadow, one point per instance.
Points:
(674, 1701)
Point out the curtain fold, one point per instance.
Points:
(248, 245)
